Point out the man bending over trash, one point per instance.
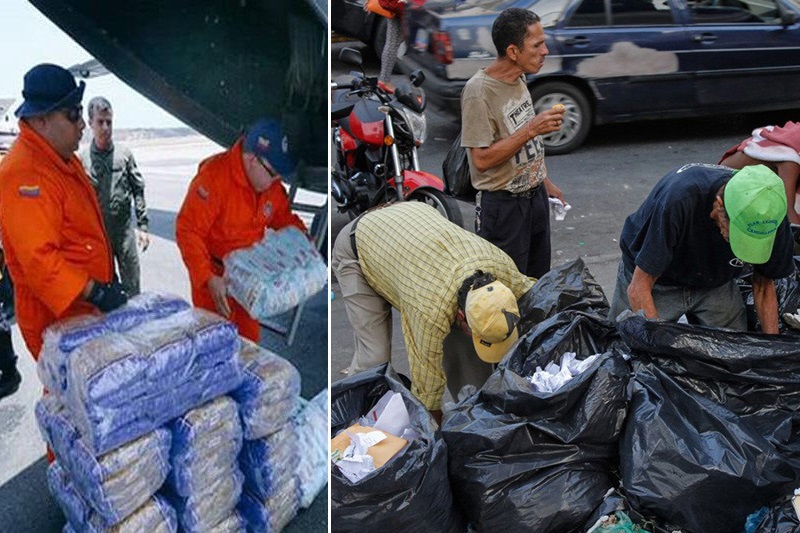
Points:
(683, 249)
(440, 277)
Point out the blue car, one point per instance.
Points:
(622, 60)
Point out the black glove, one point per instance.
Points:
(107, 296)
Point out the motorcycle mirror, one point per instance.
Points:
(350, 56)
(417, 78)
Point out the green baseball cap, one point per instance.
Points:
(755, 201)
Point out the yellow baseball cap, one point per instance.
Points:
(492, 315)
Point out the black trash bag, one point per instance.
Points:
(522, 460)
(713, 430)
(787, 290)
(567, 287)
(455, 169)
(780, 518)
(409, 493)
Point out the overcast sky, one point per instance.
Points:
(28, 38)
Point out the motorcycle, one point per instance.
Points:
(376, 134)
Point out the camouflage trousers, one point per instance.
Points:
(127, 259)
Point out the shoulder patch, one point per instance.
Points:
(202, 192)
(31, 191)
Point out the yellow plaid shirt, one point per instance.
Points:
(417, 260)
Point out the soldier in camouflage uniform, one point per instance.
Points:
(117, 181)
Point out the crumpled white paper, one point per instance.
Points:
(355, 463)
(389, 414)
(559, 210)
(554, 376)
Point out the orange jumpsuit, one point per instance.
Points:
(221, 213)
(52, 232)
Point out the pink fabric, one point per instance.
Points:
(774, 143)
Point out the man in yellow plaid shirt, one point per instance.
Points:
(438, 275)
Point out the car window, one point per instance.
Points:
(549, 11)
(734, 11)
(623, 13)
(589, 13)
(640, 13)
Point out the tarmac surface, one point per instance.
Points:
(168, 164)
(604, 181)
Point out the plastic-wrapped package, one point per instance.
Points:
(121, 386)
(269, 391)
(66, 335)
(313, 437)
(205, 446)
(277, 273)
(270, 462)
(201, 511)
(155, 516)
(114, 484)
(274, 513)
(233, 523)
(144, 308)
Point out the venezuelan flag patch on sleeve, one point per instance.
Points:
(31, 191)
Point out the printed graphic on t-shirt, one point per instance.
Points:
(528, 163)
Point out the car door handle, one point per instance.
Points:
(576, 41)
(704, 38)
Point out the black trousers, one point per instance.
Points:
(518, 225)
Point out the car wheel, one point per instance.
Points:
(577, 119)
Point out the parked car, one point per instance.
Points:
(623, 60)
(349, 18)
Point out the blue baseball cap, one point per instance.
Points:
(47, 88)
(266, 139)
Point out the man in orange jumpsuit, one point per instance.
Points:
(235, 196)
(52, 229)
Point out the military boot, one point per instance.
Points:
(10, 378)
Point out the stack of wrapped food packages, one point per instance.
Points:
(268, 398)
(161, 418)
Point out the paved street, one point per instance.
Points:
(603, 181)
(167, 165)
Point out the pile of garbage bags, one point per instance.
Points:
(276, 274)
(661, 427)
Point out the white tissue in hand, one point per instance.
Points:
(559, 210)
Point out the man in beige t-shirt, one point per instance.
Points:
(505, 148)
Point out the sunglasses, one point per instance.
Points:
(268, 168)
(73, 114)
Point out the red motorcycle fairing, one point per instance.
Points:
(414, 179)
(347, 141)
(365, 122)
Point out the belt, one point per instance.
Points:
(530, 193)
